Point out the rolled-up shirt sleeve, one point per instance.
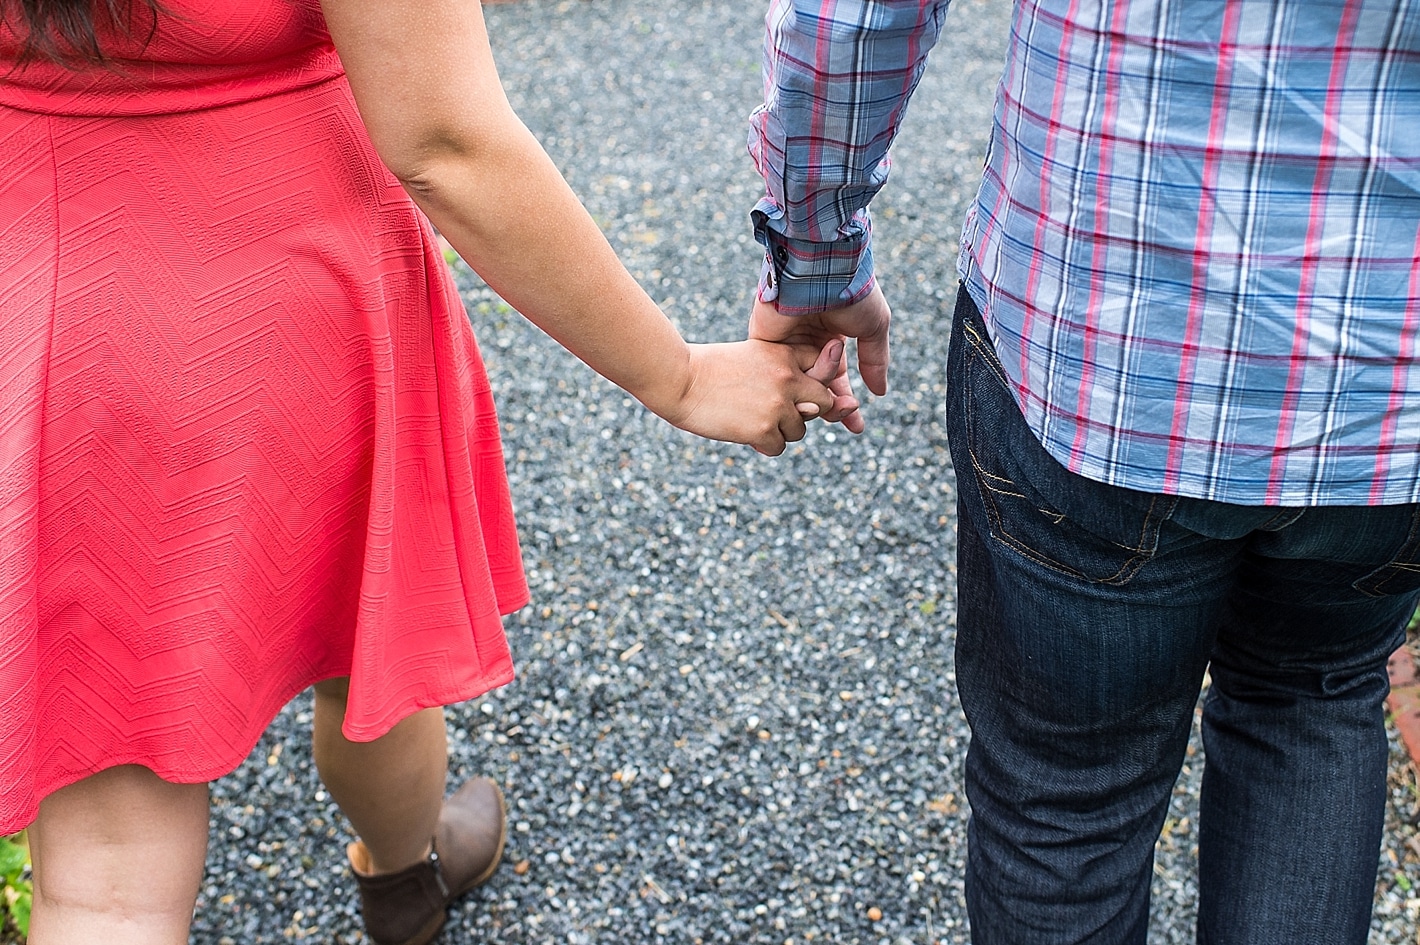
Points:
(837, 78)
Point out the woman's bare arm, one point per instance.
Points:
(425, 82)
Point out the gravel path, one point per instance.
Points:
(735, 719)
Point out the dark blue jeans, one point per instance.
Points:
(1087, 615)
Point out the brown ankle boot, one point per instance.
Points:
(409, 907)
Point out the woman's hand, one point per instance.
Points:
(753, 392)
(866, 320)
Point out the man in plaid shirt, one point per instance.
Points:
(1184, 409)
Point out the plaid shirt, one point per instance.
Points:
(1197, 240)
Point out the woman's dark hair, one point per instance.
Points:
(68, 31)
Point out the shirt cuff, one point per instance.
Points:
(801, 277)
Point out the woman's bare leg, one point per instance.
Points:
(118, 859)
(392, 788)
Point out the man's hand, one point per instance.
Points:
(867, 320)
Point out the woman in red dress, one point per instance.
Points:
(248, 442)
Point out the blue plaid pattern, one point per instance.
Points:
(1197, 240)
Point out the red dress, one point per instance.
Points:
(246, 439)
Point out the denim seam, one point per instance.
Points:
(979, 344)
(1372, 586)
(1283, 519)
(994, 484)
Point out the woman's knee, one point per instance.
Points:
(121, 845)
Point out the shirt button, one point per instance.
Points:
(782, 255)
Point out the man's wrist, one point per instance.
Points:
(804, 276)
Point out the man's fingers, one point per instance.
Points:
(844, 399)
(851, 418)
(867, 320)
(815, 394)
(873, 358)
(845, 404)
(829, 364)
(831, 368)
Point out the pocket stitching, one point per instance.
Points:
(1376, 587)
(1148, 532)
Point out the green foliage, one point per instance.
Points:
(16, 894)
(496, 307)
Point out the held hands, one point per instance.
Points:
(867, 320)
(755, 392)
(793, 368)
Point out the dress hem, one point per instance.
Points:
(230, 763)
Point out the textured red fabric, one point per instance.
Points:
(246, 438)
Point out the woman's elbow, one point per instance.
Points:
(419, 162)
(417, 150)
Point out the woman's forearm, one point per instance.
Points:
(512, 217)
(428, 92)
(424, 80)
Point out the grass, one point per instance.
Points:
(16, 894)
